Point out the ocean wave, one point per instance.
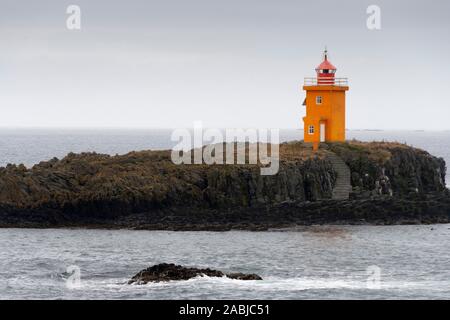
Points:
(268, 284)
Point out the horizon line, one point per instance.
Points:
(190, 127)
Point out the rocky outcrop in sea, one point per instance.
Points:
(390, 183)
(170, 272)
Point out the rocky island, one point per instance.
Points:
(342, 183)
(164, 272)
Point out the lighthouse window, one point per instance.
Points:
(319, 100)
(311, 130)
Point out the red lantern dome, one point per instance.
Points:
(325, 71)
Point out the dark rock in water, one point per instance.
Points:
(244, 276)
(167, 272)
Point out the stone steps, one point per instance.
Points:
(342, 187)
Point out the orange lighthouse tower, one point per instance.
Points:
(325, 105)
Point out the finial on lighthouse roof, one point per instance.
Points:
(325, 65)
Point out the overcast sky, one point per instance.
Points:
(234, 63)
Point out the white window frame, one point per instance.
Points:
(311, 130)
(319, 100)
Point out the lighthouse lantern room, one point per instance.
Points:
(325, 105)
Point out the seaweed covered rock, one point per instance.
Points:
(171, 272)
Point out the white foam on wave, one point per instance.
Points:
(268, 284)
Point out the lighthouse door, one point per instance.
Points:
(322, 132)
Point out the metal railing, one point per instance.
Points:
(339, 82)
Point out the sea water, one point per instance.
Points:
(410, 262)
(355, 262)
